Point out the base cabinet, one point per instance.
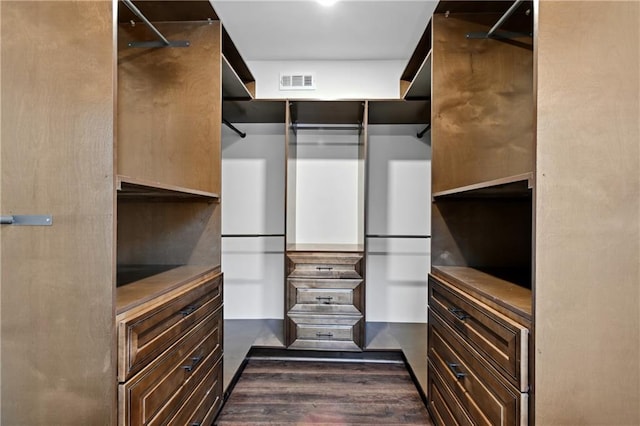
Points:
(182, 382)
(325, 301)
(477, 361)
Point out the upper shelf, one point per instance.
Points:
(237, 80)
(415, 82)
(256, 111)
(320, 112)
(133, 188)
(399, 111)
(511, 186)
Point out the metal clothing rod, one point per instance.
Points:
(355, 126)
(250, 235)
(421, 134)
(398, 236)
(234, 128)
(504, 17)
(144, 19)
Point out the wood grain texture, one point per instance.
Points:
(482, 110)
(587, 297)
(57, 282)
(286, 392)
(169, 106)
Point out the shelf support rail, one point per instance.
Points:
(501, 21)
(163, 42)
(234, 128)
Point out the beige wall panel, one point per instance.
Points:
(587, 300)
(169, 106)
(57, 291)
(482, 110)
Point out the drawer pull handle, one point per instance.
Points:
(459, 313)
(327, 298)
(188, 310)
(329, 335)
(454, 369)
(194, 361)
(324, 268)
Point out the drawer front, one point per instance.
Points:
(326, 332)
(160, 389)
(444, 407)
(324, 265)
(325, 296)
(204, 403)
(501, 341)
(145, 335)
(489, 400)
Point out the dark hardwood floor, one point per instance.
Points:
(277, 392)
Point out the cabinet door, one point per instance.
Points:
(56, 158)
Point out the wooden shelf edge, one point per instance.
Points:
(510, 299)
(426, 66)
(342, 248)
(137, 293)
(524, 177)
(237, 81)
(130, 187)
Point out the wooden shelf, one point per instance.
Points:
(344, 248)
(237, 80)
(132, 188)
(415, 82)
(399, 111)
(511, 186)
(151, 281)
(327, 112)
(509, 296)
(255, 111)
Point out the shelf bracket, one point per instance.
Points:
(492, 32)
(27, 220)
(163, 42)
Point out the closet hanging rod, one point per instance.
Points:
(251, 235)
(304, 126)
(163, 40)
(399, 236)
(234, 128)
(421, 134)
(497, 25)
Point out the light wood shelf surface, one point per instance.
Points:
(506, 296)
(508, 186)
(135, 293)
(129, 187)
(345, 248)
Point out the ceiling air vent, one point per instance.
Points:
(298, 81)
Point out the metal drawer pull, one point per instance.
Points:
(324, 268)
(454, 369)
(329, 335)
(327, 298)
(459, 313)
(194, 361)
(188, 310)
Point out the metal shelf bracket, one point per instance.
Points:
(27, 220)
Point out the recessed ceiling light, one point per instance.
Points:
(327, 3)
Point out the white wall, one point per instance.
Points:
(253, 203)
(399, 203)
(334, 79)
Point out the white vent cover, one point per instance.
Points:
(298, 81)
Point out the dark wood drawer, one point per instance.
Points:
(444, 407)
(155, 393)
(501, 341)
(324, 265)
(325, 332)
(325, 296)
(489, 399)
(145, 332)
(204, 403)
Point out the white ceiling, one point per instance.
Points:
(295, 30)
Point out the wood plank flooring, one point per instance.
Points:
(277, 392)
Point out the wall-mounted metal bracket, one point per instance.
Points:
(492, 33)
(27, 220)
(163, 42)
(149, 44)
